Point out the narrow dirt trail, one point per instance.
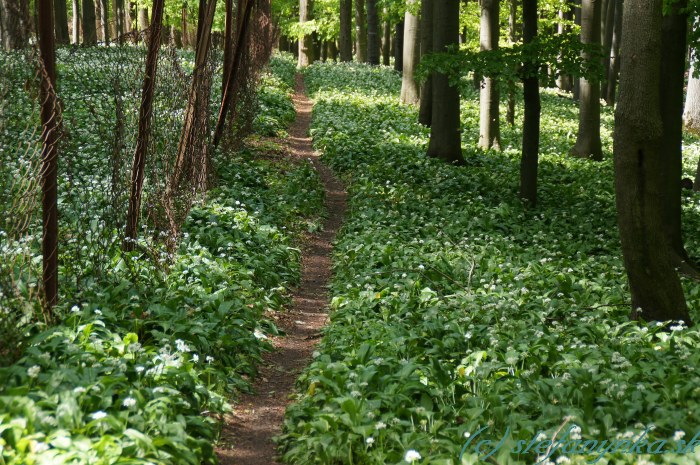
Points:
(258, 418)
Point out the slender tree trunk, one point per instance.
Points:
(61, 16)
(513, 37)
(691, 111)
(489, 99)
(332, 50)
(360, 32)
(76, 22)
(577, 21)
(372, 33)
(98, 21)
(565, 81)
(15, 24)
(89, 23)
(608, 30)
(426, 46)
(614, 69)
(229, 27)
(105, 20)
(119, 20)
(640, 164)
(50, 116)
(143, 19)
(386, 41)
(345, 30)
(588, 141)
(445, 134)
(398, 47)
(144, 131)
(306, 46)
(531, 121)
(185, 29)
(410, 92)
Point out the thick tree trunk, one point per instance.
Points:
(143, 19)
(398, 47)
(386, 42)
(144, 130)
(119, 20)
(691, 111)
(445, 135)
(410, 92)
(588, 141)
(614, 69)
(531, 121)
(489, 98)
(15, 23)
(372, 33)
(640, 166)
(426, 46)
(345, 38)
(50, 116)
(360, 32)
(89, 23)
(306, 46)
(76, 22)
(61, 16)
(105, 20)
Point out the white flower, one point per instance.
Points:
(380, 425)
(139, 369)
(40, 447)
(75, 309)
(33, 372)
(129, 402)
(181, 346)
(79, 390)
(98, 415)
(369, 441)
(541, 437)
(467, 435)
(195, 358)
(576, 432)
(411, 456)
(563, 459)
(259, 334)
(678, 435)
(420, 267)
(209, 359)
(98, 312)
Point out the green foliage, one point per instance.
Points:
(455, 306)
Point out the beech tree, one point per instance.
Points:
(531, 121)
(614, 66)
(89, 24)
(398, 47)
(372, 33)
(14, 23)
(691, 111)
(642, 168)
(588, 140)
(76, 22)
(410, 92)
(489, 97)
(345, 38)
(360, 32)
(445, 134)
(61, 22)
(426, 46)
(306, 45)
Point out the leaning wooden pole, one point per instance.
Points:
(50, 116)
(139, 164)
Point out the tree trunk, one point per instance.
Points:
(98, 21)
(608, 30)
(76, 22)
(229, 27)
(691, 111)
(614, 69)
(119, 20)
(445, 135)
(50, 117)
(360, 32)
(513, 37)
(531, 121)
(588, 141)
(105, 20)
(640, 167)
(61, 16)
(398, 47)
(386, 42)
(372, 33)
(185, 29)
(410, 92)
(306, 46)
(489, 98)
(577, 21)
(345, 30)
(426, 46)
(15, 23)
(565, 82)
(143, 19)
(144, 130)
(89, 23)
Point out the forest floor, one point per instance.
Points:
(247, 433)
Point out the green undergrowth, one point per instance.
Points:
(456, 307)
(139, 369)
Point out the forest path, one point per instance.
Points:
(258, 417)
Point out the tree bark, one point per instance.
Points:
(691, 111)
(640, 167)
(398, 47)
(588, 141)
(360, 32)
(89, 23)
(489, 98)
(144, 130)
(119, 20)
(386, 41)
(576, 95)
(76, 22)
(50, 117)
(614, 69)
(185, 31)
(98, 21)
(410, 92)
(609, 28)
(15, 24)
(565, 82)
(105, 20)
(531, 121)
(61, 16)
(513, 37)
(345, 30)
(306, 46)
(445, 134)
(426, 46)
(143, 19)
(372, 33)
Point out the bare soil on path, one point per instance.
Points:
(247, 433)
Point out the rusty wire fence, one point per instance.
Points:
(99, 92)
